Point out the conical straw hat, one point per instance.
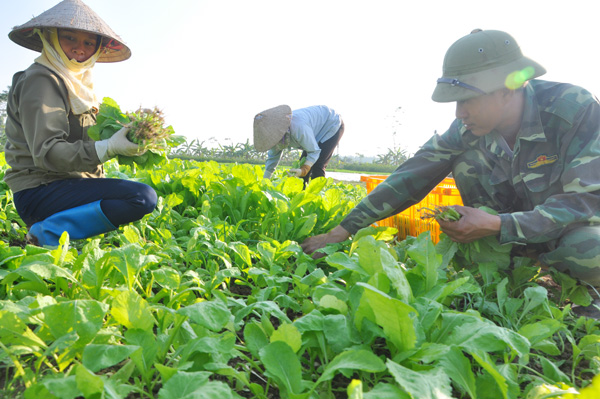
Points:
(270, 126)
(72, 14)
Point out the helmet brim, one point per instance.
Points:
(511, 75)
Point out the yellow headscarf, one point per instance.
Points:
(76, 75)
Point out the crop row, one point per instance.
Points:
(211, 296)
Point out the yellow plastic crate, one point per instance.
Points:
(408, 222)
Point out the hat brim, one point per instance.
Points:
(72, 14)
(270, 126)
(274, 137)
(488, 81)
(118, 51)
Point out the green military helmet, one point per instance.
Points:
(482, 62)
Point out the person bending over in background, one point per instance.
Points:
(527, 148)
(55, 168)
(317, 130)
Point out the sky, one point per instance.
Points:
(211, 65)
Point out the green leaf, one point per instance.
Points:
(393, 316)
(363, 360)
(396, 275)
(282, 364)
(314, 321)
(430, 352)
(130, 260)
(213, 315)
(369, 254)
(386, 391)
(458, 367)
(308, 223)
(173, 199)
(289, 334)
(539, 331)
(48, 271)
(331, 302)
(424, 254)
(488, 365)
(355, 390)
(337, 332)
(13, 331)
(85, 317)
(54, 387)
(534, 296)
(255, 338)
(123, 374)
(590, 345)
(475, 334)
(165, 372)
(243, 252)
(37, 390)
(342, 260)
(97, 357)
(167, 277)
(132, 311)
(547, 346)
(146, 355)
(316, 185)
(268, 307)
(88, 383)
(580, 296)
(426, 384)
(193, 385)
(551, 370)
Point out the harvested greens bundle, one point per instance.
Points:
(445, 213)
(146, 129)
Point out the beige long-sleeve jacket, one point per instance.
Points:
(45, 140)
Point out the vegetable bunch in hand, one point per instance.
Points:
(445, 213)
(146, 128)
(296, 169)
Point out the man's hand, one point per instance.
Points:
(473, 225)
(311, 244)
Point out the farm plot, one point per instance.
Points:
(211, 296)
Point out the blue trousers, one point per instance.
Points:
(122, 201)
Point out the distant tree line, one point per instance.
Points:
(204, 150)
(244, 152)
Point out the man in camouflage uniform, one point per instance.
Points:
(529, 149)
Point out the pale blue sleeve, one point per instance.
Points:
(305, 137)
(273, 157)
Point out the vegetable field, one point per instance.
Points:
(210, 296)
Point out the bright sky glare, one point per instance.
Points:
(211, 65)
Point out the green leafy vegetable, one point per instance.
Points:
(444, 213)
(298, 163)
(147, 128)
(211, 296)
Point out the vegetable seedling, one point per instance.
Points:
(443, 213)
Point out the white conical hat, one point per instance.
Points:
(270, 126)
(72, 14)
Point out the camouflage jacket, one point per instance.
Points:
(551, 180)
